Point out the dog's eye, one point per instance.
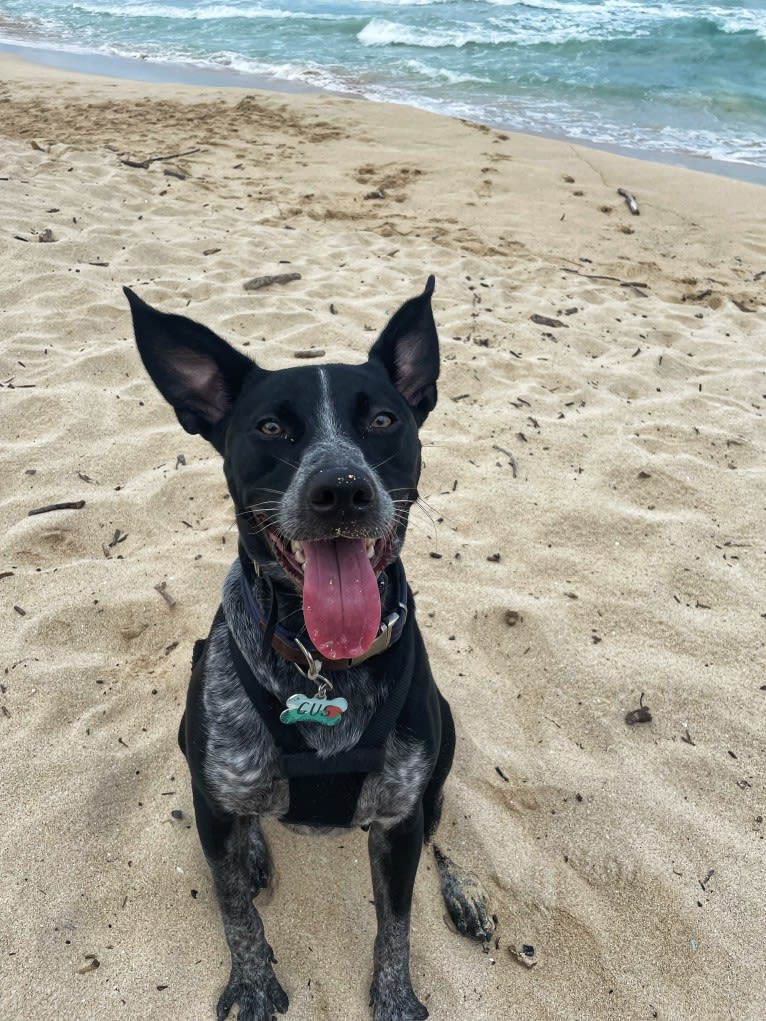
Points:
(270, 427)
(382, 421)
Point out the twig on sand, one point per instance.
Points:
(687, 738)
(602, 276)
(162, 588)
(66, 505)
(509, 455)
(546, 321)
(312, 352)
(145, 164)
(630, 198)
(270, 278)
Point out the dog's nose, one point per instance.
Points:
(343, 491)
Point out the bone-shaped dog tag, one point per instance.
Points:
(303, 709)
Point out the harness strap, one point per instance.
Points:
(323, 791)
(296, 758)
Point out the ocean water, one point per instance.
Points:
(672, 79)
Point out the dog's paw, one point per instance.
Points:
(466, 899)
(395, 1001)
(257, 999)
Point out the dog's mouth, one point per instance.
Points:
(339, 581)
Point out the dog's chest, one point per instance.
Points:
(241, 758)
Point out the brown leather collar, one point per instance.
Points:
(297, 653)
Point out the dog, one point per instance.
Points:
(312, 699)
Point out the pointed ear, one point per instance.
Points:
(194, 370)
(409, 350)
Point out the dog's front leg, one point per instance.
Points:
(394, 856)
(230, 853)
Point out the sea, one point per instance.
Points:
(679, 82)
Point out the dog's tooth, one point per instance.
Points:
(296, 548)
(370, 548)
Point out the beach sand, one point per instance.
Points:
(595, 532)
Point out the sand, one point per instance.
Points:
(594, 532)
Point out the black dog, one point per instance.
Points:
(312, 699)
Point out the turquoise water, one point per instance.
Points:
(686, 79)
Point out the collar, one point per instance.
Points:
(295, 647)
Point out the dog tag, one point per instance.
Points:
(303, 709)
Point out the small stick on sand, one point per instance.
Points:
(630, 198)
(67, 505)
(509, 455)
(162, 589)
(601, 276)
(266, 281)
(145, 164)
(313, 352)
(547, 321)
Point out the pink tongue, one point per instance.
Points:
(341, 601)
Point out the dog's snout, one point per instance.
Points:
(344, 491)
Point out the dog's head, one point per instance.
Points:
(322, 462)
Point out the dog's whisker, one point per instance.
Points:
(430, 512)
(269, 504)
(434, 514)
(425, 523)
(287, 616)
(422, 527)
(384, 461)
(258, 508)
(259, 512)
(265, 526)
(269, 519)
(424, 503)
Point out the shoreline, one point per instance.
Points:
(150, 71)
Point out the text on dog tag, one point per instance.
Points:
(303, 709)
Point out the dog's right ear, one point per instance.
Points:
(408, 348)
(197, 372)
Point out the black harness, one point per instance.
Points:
(325, 790)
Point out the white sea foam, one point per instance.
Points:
(732, 22)
(550, 31)
(620, 18)
(381, 32)
(444, 74)
(211, 12)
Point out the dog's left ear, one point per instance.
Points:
(196, 371)
(409, 349)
